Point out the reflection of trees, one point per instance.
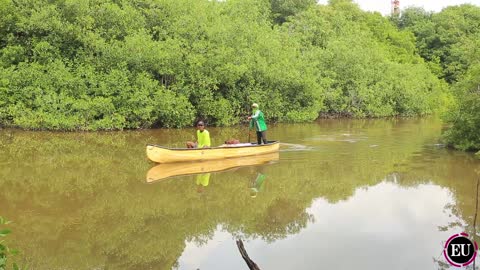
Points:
(450, 169)
(457, 171)
(441, 264)
(81, 195)
(86, 202)
(283, 218)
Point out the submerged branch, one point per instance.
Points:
(251, 264)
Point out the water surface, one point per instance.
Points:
(342, 194)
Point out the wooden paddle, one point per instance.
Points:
(248, 130)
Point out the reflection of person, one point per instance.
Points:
(202, 181)
(258, 121)
(203, 137)
(257, 185)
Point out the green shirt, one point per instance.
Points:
(258, 121)
(203, 138)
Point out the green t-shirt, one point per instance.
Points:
(203, 138)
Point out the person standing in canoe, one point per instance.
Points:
(258, 121)
(203, 137)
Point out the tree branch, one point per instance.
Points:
(251, 264)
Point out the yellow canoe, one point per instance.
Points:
(166, 170)
(161, 154)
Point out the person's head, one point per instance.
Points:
(200, 125)
(254, 106)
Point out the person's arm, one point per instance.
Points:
(256, 115)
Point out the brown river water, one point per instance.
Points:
(341, 194)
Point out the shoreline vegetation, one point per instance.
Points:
(7, 254)
(114, 65)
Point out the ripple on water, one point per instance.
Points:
(351, 138)
(289, 147)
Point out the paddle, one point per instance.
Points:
(248, 130)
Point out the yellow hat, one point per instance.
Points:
(255, 105)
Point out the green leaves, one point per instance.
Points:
(4, 232)
(448, 41)
(367, 67)
(5, 251)
(448, 38)
(464, 116)
(3, 221)
(282, 9)
(108, 65)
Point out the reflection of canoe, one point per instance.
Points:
(166, 155)
(162, 171)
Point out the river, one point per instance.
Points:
(341, 194)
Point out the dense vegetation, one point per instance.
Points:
(464, 117)
(6, 252)
(449, 41)
(113, 64)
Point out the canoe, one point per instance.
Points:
(167, 170)
(162, 154)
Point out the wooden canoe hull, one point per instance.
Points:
(167, 170)
(161, 154)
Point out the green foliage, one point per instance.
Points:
(105, 64)
(282, 9)
(6, 253)
(464, 116)
(447, 40)
(366, 67)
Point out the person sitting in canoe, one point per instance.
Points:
(258, 121)
(203, 137)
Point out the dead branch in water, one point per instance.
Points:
(251, 264)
